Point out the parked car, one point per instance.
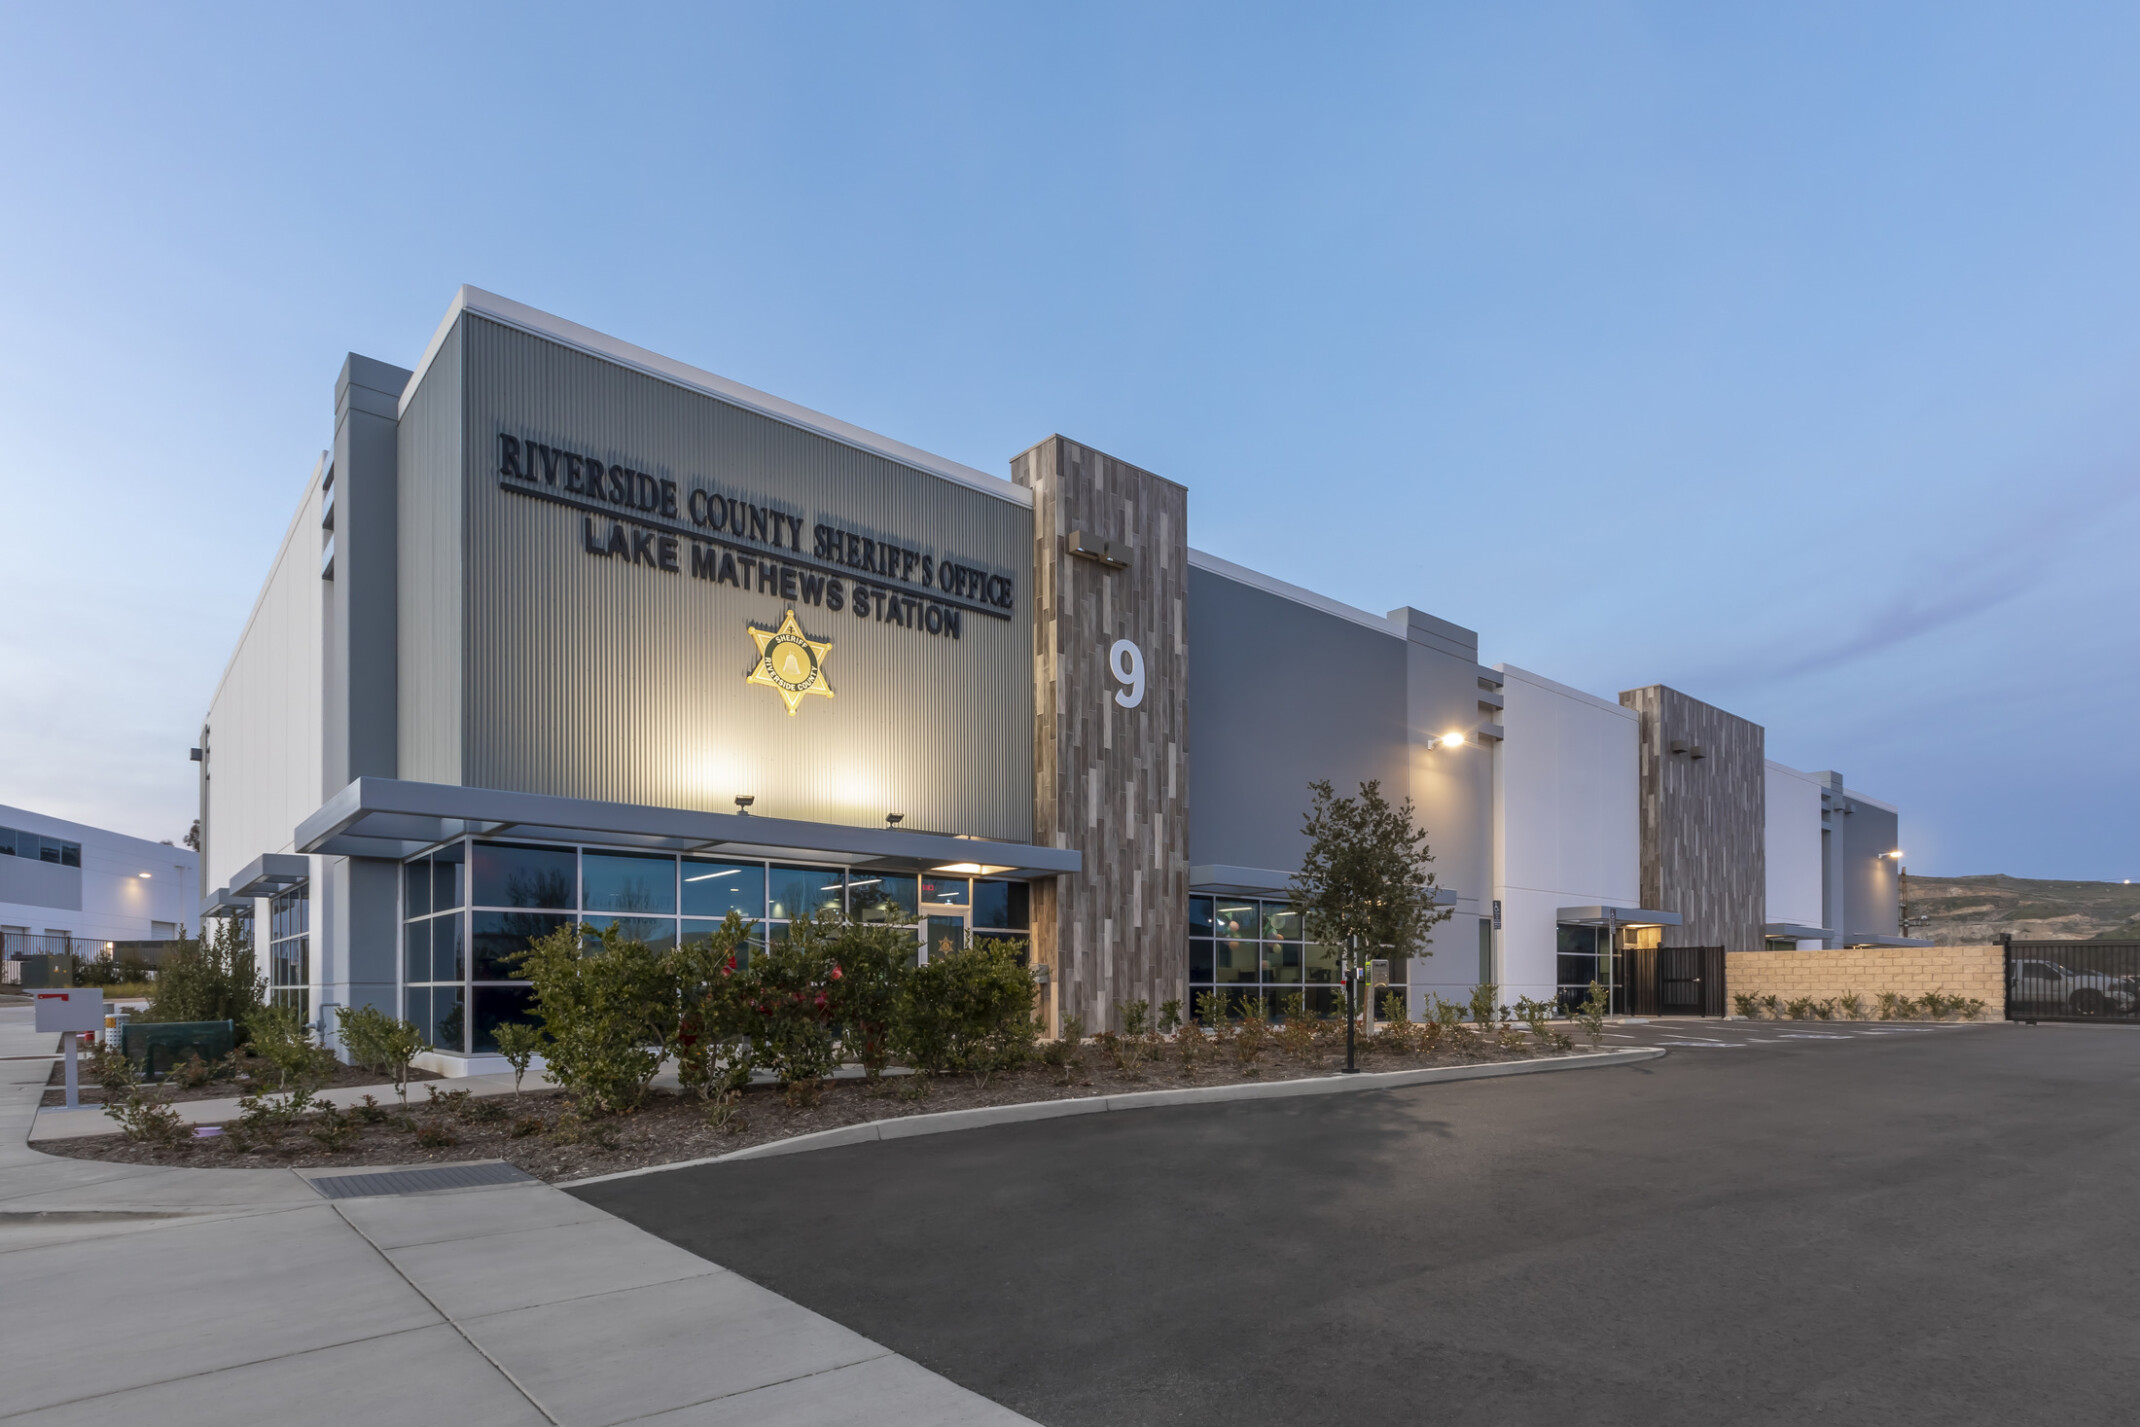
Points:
(2084, 993)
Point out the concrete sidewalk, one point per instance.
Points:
(241, 1295)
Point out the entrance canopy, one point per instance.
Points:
(389, 818)
(1615, 917)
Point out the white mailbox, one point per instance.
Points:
(75, 1008)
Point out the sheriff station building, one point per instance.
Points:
(565, 629)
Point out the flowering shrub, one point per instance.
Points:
(712, 1037)
(608, 1010)
(788, 994)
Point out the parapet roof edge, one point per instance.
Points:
(611, 349)
(1271, 585)
(1568, 690)
(1814, 778)
(1886, 807)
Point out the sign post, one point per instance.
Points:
(71, 1011)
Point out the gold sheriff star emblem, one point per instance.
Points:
(790, 662)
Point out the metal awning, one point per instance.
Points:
(264, 876)
(1222, 880)
(1796, 930)
(390, 818)
(1873, 939)
(1615, 917)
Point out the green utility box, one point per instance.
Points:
(158, 1046)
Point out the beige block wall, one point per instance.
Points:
(1978, 971)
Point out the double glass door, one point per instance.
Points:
(946, 914)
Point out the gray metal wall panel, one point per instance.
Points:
(30, 883)
(360, 717)
(429, 511)
(1872, 901)
(588, 677)
(1281, 695)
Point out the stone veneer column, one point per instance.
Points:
(1111, 782)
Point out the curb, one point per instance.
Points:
(945, 1122)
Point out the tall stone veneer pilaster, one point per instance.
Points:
(1703, 819)
(1110, 780)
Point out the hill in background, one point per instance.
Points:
(1967, 911)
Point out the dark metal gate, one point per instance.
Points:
(1669, 981)
(2073, 981)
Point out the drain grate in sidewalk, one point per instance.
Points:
(419, 1181)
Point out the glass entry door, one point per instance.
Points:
(944, 929)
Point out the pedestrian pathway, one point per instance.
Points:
(181, 1296)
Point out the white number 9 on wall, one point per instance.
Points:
(1128, 663)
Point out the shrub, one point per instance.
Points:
(1065, 1052)
(1937, 1004)
(333, 1129)
(378, 1041)
(146, 1120)
(1852, 1005)
(1253, 1035)
(607, 1008)
(1824, 1010)
(969, 1011)
(1483, 997)
(518, 1042)
(433, 1136)
(208, 978)
(1169, 1017)
(1772, 1007)
(1591, 1014)
(872, 961)
(281, 1038)
(1970, 1008)
(1800, 1009)
(1746, 1005)
(711, 1036)
(1534, 1015)
(1895, 1007)
(787, 990)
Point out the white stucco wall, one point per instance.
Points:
(263, 736)
(1566, 830)
(1793, 846)
(118, 903)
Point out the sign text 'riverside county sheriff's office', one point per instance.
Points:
(648, 520)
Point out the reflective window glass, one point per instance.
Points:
(699, 929)
(1238, 919)
(1281, 961)
(1322, 962)
(446, 948)
(1199, 960)
(802, 891)
(1003, 904)
(499, 937)
(416, 1008)
(659, 933)
(495, 1005)
(1237, 960)
(884, 897)
(448, 865)
(511, 874)
(416, 953)
(1200, 916)
(946, 891)
(449, 1025)
(714, 889)
(416, 881)
(1281, 922)
(627, 882)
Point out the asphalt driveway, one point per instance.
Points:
(1911, 1228)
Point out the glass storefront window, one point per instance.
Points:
(499, 937)
(659, 933)
(447, 881)
(627, 882)
(1237, 961)
(495, 1005)
(1280, 922)
(1239, 919)
(510, 874)
(885, 898)
(1003, 904)
(1200, 916)
(1281, 961)
(1322, 960)
(714, 889)
(446, 948)
(1199, 962)
(416, 953)
(795, 892)
(416, 879)
(946, 891)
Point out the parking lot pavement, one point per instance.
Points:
(1705, 1033)
(1928, 1224)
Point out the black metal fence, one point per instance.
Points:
(2073, 981)
(1670, 981)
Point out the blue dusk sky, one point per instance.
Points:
(1786, 355)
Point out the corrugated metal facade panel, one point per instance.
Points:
(428, 513)
(593, 677)
(263, 741)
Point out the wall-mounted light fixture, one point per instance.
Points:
(743, 802)
(144, 874)
(969, 869)
(894, 819)
(1447, 740)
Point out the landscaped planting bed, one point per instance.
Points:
(554, 1137)
(247, 1074)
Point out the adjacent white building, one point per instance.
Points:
(69, 887)
(1796, 867)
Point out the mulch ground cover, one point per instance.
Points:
(254, 1075)
(541, 1132)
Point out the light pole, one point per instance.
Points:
(1352, 977)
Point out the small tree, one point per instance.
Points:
(211, 977)
(608, 1008)
(518, 1042)
(1364, 885)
